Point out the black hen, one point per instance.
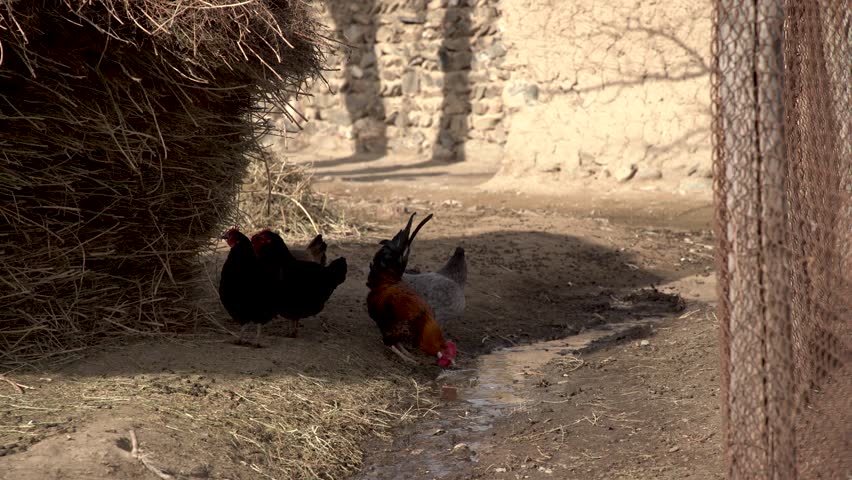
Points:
(314, 252)
(298, 289)
(240, 284)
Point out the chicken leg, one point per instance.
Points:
(242, 333)
(293, 327)
(406, 358)
(395, 349)
(407, 353)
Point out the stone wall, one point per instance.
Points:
(418, 77)
(556, 91)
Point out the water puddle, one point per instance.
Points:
(443, 447)
(499, 376)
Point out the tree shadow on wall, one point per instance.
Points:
(455, 58)
(362, 89)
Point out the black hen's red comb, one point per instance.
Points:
(228, 231)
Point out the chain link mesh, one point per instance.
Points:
(783, 181)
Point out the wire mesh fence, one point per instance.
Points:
(783, 181)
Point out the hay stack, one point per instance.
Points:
(125, 131)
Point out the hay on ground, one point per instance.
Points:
(279, 195)
(283, 425)
(126, 131)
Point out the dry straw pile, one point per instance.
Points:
(126, 128)
(279, 194)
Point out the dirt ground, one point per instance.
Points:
(642, 404)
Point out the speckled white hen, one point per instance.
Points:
(444, 289)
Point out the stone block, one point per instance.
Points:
(486, 122)
(458, 82)
(362, 18)
(356, 72)
(434, 18)
(418, 18)
(498, 136)
(368, 129)
(647, 173)
(456, 104)
(493, 91)
(406, 143)
(389, 74)
(391, 62)
(625, 173)
(459, 126)
(410, 83)
(354, 34)
(391, 90)
(402, 121)
(519, 94)
(457, 61)
(476, 134)
(338, 116)
(456, 45)
(479, 92)
(695, 185)
(495, 51)
(483, 151)
(358, 103)
(368, 60)
(443, 153)
(447, 139)
(430, 33)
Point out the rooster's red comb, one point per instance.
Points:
(451, 349)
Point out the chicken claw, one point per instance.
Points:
(257, 336)
(293, 327)
(395, 349)
(241, 339)
(405, 352)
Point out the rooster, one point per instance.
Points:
(240, 288)
(299, 288)
(444, 289)
(402, 315)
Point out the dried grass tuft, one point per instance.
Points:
(279, 194)
(127, 128)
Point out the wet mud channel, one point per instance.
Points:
(450, 446)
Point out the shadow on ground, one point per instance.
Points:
(522, 287)
(202, 403)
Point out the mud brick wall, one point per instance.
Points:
(619, 93)
(553, 91)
